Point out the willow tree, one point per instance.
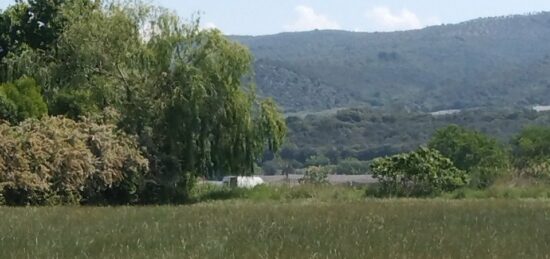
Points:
(210, 120)
(187, 93)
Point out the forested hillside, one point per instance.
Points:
(366, 134)
(485, 62)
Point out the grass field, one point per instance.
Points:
(302, 228)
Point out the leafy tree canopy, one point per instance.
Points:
(21, 100)
(531, 149)
(420, 173)
(480, 155)
(533, 143)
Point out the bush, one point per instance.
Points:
(59, 161)
(21, 100)
(484, 158)
(422, 173)
(315, 175)
(532, 152)
(534, 168)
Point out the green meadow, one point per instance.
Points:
(299, 228)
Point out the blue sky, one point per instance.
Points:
(256, 17)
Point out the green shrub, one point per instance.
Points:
(483, 157)
(21, 100)
(532, 152)
(60, 161)
(537, 168)
(422, 173)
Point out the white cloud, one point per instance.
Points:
(387, 20)
(308, 19)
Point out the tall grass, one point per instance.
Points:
(298, 229)
(204, 193)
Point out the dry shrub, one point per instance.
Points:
(57, 160)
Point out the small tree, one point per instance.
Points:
(424, 172)
(315, 175)
(483, 157)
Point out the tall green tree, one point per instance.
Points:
(34, 24)
(209, 119)
(478, 154)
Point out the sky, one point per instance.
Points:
(259, 17)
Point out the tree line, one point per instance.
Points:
(122, 102)
(350, 139)
(456, 158)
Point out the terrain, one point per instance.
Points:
(299, 229)
(110, 137)
(366, 133)
(498, 61)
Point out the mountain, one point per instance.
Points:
(484, 62)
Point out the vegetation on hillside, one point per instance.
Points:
(499, 61)
(364, 134)
(470, 149)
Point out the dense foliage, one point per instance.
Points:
(532, 152)
(420, 173)
(365, 134)
(481, 156)
(57, 160)
(186, 93)
(479, 63)
(315, 175)
(21, 100)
